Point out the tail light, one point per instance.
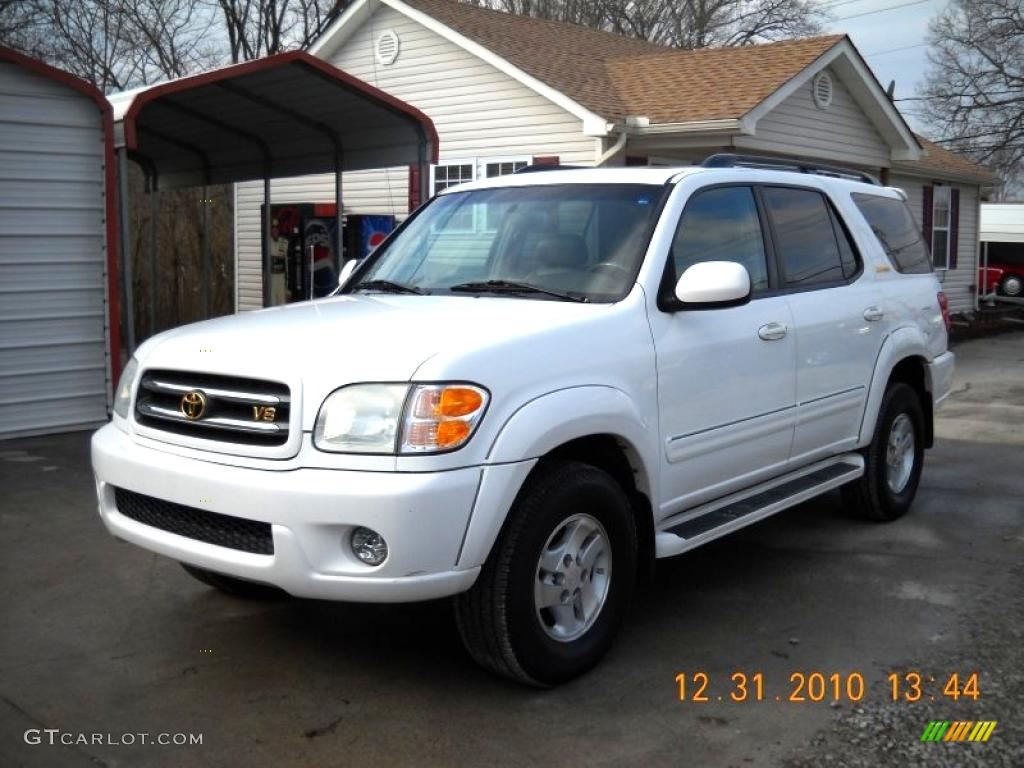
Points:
(944, 306)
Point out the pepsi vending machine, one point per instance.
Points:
(303, 262)
(363, 233)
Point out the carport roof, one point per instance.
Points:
(283, 115)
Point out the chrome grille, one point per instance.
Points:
(234, 409)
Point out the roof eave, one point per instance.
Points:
(925, 172)
(728, 125)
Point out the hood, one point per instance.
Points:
(321, 345)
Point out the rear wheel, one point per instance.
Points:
(1012, 285)
(553, 592)
(229, 585)
(894, 459)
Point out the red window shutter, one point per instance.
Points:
(926, 215)
(954, 225)
(546, 160)
(414, 187)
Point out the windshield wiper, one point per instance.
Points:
(389, 286)
(511, 286)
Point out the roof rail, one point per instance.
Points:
(728, 160)
(539, 168)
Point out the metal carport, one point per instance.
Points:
(284, 115)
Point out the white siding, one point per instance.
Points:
(53, 350)
(478, 112)
(841, 133)
(958, 283)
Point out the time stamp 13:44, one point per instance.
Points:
(804, 687)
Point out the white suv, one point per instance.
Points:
(535, 387)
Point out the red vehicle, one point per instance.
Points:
(1005, 272)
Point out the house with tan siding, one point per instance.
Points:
(507, 91)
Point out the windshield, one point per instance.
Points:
(563, 241)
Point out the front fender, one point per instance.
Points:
(536, 429)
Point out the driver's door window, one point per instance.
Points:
(722, 224)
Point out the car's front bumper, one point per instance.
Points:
(312, 512)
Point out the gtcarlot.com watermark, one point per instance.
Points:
(56, 736)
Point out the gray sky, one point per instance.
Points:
(878, 33)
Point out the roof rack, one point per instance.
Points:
(539, 168)
(728, 160)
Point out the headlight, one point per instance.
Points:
(123, 396)
(398, 418)
(360, 419)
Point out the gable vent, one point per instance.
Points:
(387, 46)
(821, 90)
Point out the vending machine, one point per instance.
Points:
(303, 262)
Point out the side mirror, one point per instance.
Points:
(714, 284)
(346, 272)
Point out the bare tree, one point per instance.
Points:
(115, 44)
(974, 93)
(261, 27)
(680, 23)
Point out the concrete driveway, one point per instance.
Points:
(98, 637)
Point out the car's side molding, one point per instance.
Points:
(901, 344)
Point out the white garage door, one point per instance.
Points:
(53, 350)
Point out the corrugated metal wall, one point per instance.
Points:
(53, 348)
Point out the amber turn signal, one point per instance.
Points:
(458, 401)
(442, 417)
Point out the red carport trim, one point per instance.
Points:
(131, 116)
(94, 93)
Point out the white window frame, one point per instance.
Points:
(948, 228)
(447, 163)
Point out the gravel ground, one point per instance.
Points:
(875, 734)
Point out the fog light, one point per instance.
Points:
(369, 546)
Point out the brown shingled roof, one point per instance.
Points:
(942, 161)
(615, 76)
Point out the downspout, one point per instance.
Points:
(613, 150)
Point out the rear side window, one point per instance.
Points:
(721, 224)
(811, 242)
(895, 229)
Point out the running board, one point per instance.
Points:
(700, 525)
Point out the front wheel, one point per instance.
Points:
(893, 460)
(553, 592)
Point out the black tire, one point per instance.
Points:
(870, 496)
(229, 585)
(497, 618)
(1011, 285)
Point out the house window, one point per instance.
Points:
(444, 176)
(504, 167)
(449, 175)
(460, 171)
(941, 224)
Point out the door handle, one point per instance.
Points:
(873, 313)
(772, 331)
